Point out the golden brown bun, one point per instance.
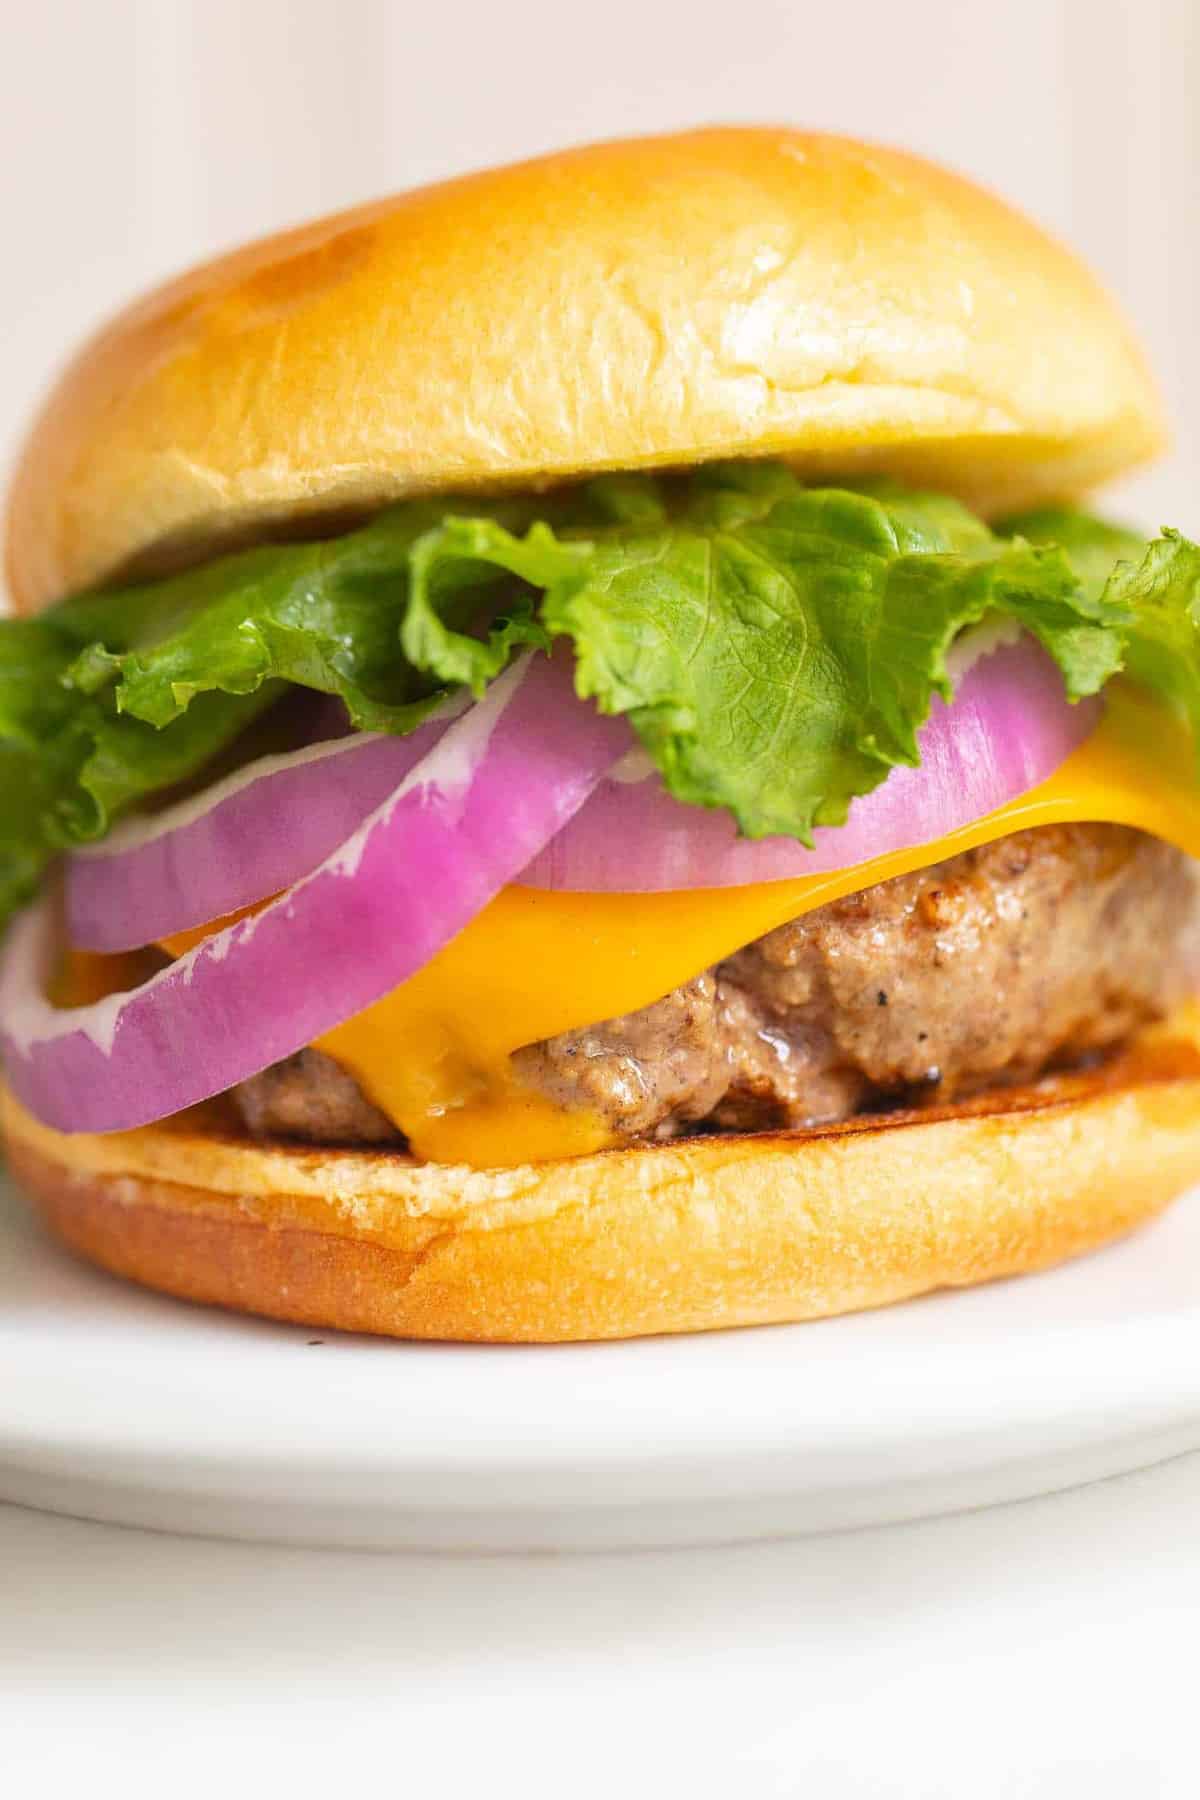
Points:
(710, 1232)
(660, 301)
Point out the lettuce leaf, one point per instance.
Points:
(775, 647)
(1153, 586)
(776, 655)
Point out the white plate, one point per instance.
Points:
(121, 1405)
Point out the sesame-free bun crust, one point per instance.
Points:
(648, 303)
(709, 1232)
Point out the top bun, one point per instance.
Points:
(650, 303)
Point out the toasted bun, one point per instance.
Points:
(656, 302)
(705, 1233)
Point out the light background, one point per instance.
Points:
(138, 135)
(1043, 1650)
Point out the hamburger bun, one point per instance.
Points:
(646, 304)
(690, 1236)
(726, 292)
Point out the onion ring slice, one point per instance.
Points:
(498, 784)
(1009, 727)
(249, 836)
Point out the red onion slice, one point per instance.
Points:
(1008, 728)
(251, 835)
(496, 787)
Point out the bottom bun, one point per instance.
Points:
(689, 1236)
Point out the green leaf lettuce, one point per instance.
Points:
(775, 647)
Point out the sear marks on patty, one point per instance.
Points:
(1035, 951)
(310, 1096)
(1032, 952)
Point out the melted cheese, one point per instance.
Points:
(434, 1053)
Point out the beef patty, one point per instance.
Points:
(1033, 952)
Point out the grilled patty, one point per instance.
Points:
(1033, 952)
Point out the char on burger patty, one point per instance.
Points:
(1032, 952)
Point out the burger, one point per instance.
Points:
(573, 768)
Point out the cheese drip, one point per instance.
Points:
(434, 1053)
